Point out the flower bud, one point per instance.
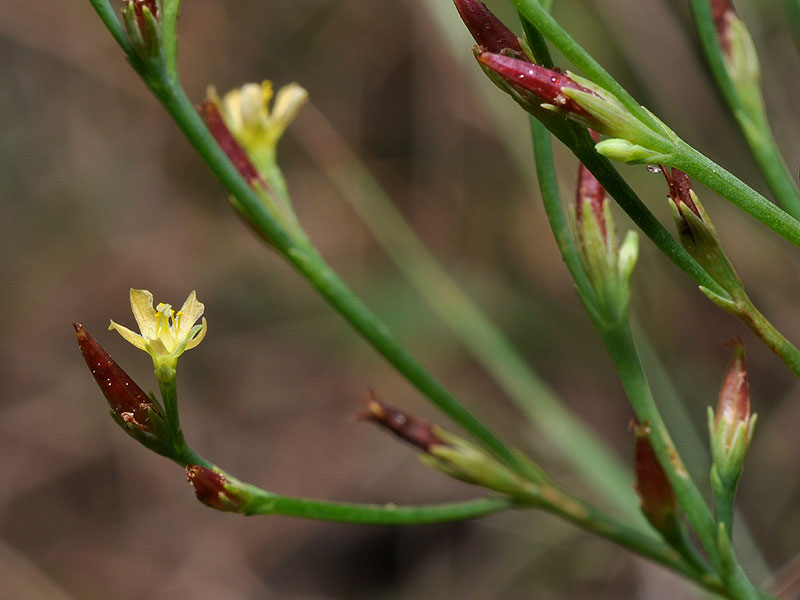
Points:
(699, 237)
(447, 452)
(608, 268)
(415, 431)
(739, 54)
(216, 490)
(126, 399)
(731, 426)
(656, 496)
(489, 32)
(141, 20)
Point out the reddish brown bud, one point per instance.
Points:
(127, 400)
(722, 11)
(734, 396)
(230, 146)
(489, 32)
(679, 188)
(211, 488)
(656, 496)
(590, 189)
(545, 84)
(415, 431)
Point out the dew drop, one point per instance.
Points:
(654, 168)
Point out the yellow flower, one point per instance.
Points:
(165, 334)
(257, 128)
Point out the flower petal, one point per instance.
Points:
(191, 310)
(287, 102)
(198, 336)
(130, 336)
(144, 313)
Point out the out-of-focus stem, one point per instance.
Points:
(751, 117)
(596, 463)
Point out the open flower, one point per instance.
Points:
(246, 111)
(165, 334)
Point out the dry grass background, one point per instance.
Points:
(100, 193)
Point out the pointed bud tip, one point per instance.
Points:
(680, 188)
(488, 31)
(411, 429)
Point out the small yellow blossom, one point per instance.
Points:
(165, 334)
(257, 128)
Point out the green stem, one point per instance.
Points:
(266, 503)
(540, 18)
(109, 18)
(623, 351)
(319, 274)
(713, 176)
(771, 337)
(685, 157)
(557, 425)
(793, 11)
(335, 291)
(589, 518)
(751, 116)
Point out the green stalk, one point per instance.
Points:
(562, 430)
(589, 518)
(109, 18)
(621, 346)
(751, 116)
(267, 503)
(685, 157)
(727, 185)
(771, 337)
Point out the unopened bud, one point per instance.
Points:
(447, 452)
(731, 426)
(128, 401)
(656, 496)
(547, 85)
(141, 19)
(216, 490)
(608, 268)
(415, 431)
(489, 32)
(699, 237)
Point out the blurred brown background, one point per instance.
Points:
(100, 193)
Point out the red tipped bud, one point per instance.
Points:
(415, 431)
(545, 84)
(680, 189)
(214, 489)
(591, 190)
(733, 406)
(127, 400)
(731, 427)
(210, 113)
(722, 12)
(489, 32)
(656, 496)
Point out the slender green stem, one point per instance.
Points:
(589, 518)
(685, 157)
(713, 176)
(623, 351)
(581, 446)
(266, 503)
(335, 291)
(319, 274)
(793, 11)
(111, 21)
(771, 337)
(751, 115)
